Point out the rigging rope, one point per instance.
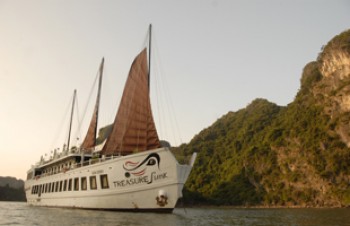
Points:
(165, 99)
(60, 128)
(78, 132)
(80, 123)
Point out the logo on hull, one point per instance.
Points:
(136, 172)
(139, 168)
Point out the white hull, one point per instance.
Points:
(147, 181)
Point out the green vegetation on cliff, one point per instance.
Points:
(12, 194)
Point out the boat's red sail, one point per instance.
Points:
(134, 129)
(90, 139)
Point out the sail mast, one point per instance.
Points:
(149, 55)
(99, 96)
(90, 138)
(71, 118)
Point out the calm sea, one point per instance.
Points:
(17, 213)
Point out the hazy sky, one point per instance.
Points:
(210, 57)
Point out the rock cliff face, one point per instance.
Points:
(334, 61)
(333, 91)
(298, 155)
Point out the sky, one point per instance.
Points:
(209, 57)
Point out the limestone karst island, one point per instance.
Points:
(294, 155)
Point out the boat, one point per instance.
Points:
(130, 171)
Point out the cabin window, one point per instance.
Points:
(104, 181)
(69, 184)
(40, 189)
(65, 185)
(83, 183)
(56, 187)
(76, 184)
(93, 184)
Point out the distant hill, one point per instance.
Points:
(269, 155)
(11, 189)
(12, 182)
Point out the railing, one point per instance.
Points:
(77, 165)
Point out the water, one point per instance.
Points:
(16, 213)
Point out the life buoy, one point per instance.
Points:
(162, 198)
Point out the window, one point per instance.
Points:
(49, 189)
(83, 183)
(93, 184)
(65, 185)
(69, 184)
(56, 187)
(61, 182)
(76, 184)
(104, 181)
(52, 186)
(40, 188)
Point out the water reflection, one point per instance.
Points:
(13, 213)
